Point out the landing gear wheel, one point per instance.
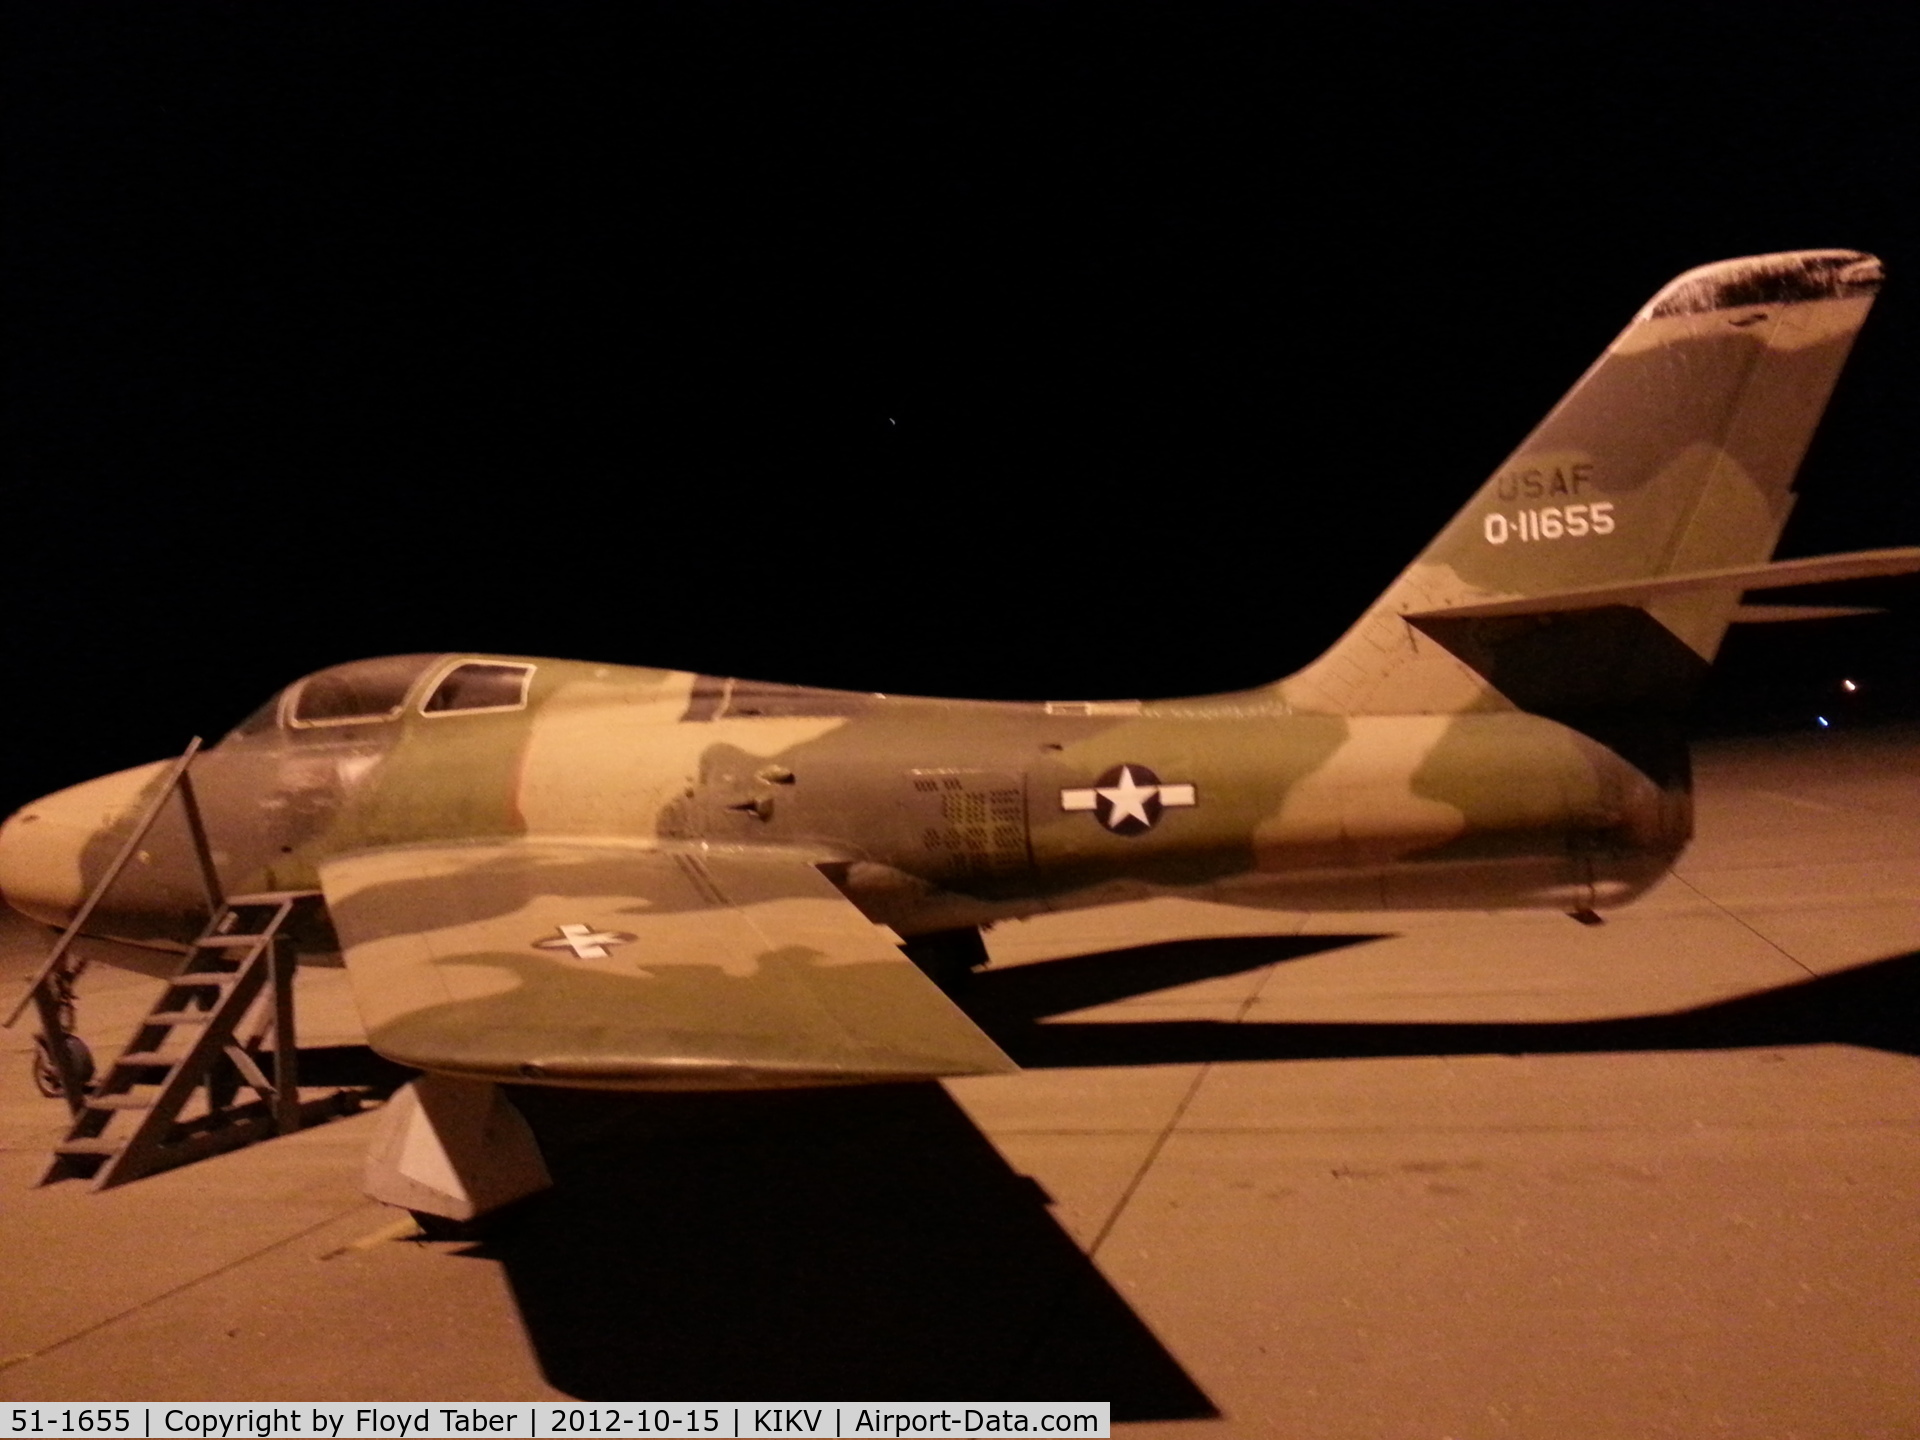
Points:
(46, 1074)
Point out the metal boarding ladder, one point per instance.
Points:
(240, 963)
(191, 1042)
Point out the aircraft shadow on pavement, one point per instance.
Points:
(865, 1242)
(355, 1065)
(1077, 982)
(1876, 1005)
(856, 1243)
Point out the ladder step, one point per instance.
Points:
(229, 942)
(147, 1059)
(120, 1102)
(219, 980)
(87, 1147)
(178, 1017)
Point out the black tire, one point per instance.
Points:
(46, 1075)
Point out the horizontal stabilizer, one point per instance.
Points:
(1817, 570)
(1781, 614)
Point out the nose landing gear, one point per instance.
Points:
(47, 1071)
(50, 1077)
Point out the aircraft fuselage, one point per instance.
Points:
(929, 814)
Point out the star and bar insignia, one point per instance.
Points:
(584, 941)
(1129, 799)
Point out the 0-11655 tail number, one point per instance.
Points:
(1551, 522)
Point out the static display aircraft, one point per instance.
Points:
(564, 873)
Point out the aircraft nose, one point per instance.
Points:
(45, 864)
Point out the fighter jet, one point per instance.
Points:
(561, 873)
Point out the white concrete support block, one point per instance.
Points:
(454, 1148)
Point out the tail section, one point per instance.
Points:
(1593, 577)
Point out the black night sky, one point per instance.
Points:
(1000, 349)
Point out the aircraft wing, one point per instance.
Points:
(606, 966)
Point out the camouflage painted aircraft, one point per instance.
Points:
(565, 873)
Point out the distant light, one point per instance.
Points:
(1821, 721)
(1848, 686)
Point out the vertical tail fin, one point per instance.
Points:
(1675, 454)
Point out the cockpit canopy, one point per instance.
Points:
(359, 691)
(365, 692)
(479, 685)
